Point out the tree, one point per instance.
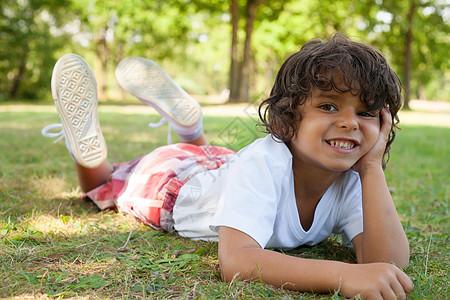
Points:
(408, 51)
(25, 28)
(297, 23)
(154, 29)
(239, 43)
(241, 64)
(240, 69)
(395, 25)
(414, 34)
(234, 85)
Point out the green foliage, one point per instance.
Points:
(26, 57)
(387, 27)
(192, 39)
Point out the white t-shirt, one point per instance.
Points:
(254, 193)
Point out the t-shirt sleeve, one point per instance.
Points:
(248, 199)
(350, 222)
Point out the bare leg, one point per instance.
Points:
(90, 178)
(200, 141)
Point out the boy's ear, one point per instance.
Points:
(275, 125)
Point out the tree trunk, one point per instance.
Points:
(240, 71)
(234, 67)
(120, 46)
(18, 78)
(250, 17)
(102, 53)
(408, 53)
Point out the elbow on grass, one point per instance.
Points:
(403, 262)
(231, 270)
(229, 276)
(400, 259)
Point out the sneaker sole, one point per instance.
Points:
(145, 80)
(74, 90)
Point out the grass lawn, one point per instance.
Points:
(55, 244)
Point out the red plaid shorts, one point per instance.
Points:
(148, 186)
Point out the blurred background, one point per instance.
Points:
(228, 50)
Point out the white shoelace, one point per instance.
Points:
(59, 135)
(159, 124)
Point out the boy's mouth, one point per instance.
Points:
(343, 144)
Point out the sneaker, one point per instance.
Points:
(74, 90)
(145, 80)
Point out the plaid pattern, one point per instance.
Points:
(148, 186)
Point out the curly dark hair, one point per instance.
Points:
(359, 68)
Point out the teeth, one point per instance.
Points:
(342, 144)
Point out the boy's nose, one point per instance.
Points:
(348, 119)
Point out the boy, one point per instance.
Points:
(330, 119)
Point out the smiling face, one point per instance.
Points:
(335, 131)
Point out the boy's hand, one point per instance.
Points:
(375, 155)
(375, 281)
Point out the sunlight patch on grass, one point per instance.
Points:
(52, 186)
(51, 225)
(66, 225)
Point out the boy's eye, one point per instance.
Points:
(367, 114)
(328, 107)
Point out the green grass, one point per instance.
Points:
(55, 244)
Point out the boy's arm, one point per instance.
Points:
(383, 239)
(241, 257)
